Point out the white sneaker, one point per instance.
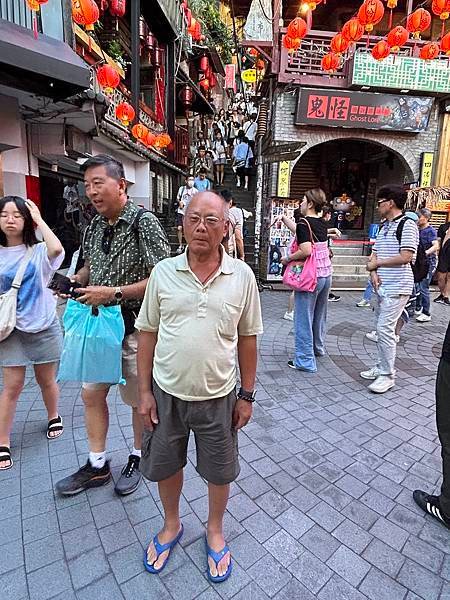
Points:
(179, 249)
(288, 316)
(418, 312)
(238, 184)
(373, 337)
(363, 303)
(382, 384)
(423, 318)
(372, 373)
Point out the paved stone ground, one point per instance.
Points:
(322, 507)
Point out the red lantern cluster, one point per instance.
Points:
(296, 31)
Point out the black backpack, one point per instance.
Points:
(420, 266)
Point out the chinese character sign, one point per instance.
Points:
(426, 170)
(363, 110)
(283, 178)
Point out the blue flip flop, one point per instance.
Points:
(217, 557)
(160, 548)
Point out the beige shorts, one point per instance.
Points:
(129, 391)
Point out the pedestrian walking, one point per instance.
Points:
(429, 242)
(201, 182)
(36, 337)
(235, 240)
(199, 309)
(250, 129)
(184, 195)
(219, 151)
(392, 279)
(121, 247)
(203, 161)
(443, 266)
(242, 157)
(310, 313)
(439, 506)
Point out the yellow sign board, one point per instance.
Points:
(249, 75)
(426, 170)
(284, 171)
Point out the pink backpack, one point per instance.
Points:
(302, 276)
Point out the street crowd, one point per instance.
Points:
(203, 303)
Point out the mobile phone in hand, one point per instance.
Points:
(63, 285)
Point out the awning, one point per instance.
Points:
(200, 103)
(43, 66)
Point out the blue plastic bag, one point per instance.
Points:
(92, 349)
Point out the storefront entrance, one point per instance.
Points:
(352, 167)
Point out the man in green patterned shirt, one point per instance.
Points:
(121, 246)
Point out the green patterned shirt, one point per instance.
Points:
(135, 249)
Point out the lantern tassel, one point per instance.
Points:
(443, 29)
(35, 27)
(390, 19)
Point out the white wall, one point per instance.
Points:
(15, 166)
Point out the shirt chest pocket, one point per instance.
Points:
(229, 320)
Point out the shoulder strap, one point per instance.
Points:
(17, 282)
(400, 227)
(311, 235)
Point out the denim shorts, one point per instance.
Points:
(22, 349)
(164, 450)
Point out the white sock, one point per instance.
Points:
(135, 452)
(97, 459)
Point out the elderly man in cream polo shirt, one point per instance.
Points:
(199, 308)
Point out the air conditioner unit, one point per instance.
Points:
(50, 141)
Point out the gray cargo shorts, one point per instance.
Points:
(164, 450)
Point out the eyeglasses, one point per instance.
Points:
(107, 238)
(382, 200)
(209, 221)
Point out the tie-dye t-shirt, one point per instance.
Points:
(36, 304)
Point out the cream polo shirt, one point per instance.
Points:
(198, 325)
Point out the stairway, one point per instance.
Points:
(349, 266)
(243, 199)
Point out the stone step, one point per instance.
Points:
(347, 250)
(349, 269)
(343, 259)
(342, 277)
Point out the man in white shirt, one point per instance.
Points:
(185, 194)
(250, 129)
(392, 279)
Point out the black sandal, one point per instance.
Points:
(5, 454)
(55, 425)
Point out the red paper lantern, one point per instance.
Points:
(397, 37)
(150, 139)
(140, 132)
(260, 64)
(330, 62)
(370, 13)
(253, 52)
(86, 13)
(418, 21)
(204, 63)
(445, 44)
(192, 24)
(186, 95)
(108, 78)
(297, 28)
(198, 32)
(441, 8)
(291, 44)
(430, 51)
(353, 30)
(381, 50)
(339, 44)
(35, 5)
(125, 113)
(118, 8)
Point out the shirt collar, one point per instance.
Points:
(226, 265)
(128, 214)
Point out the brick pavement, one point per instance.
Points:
(322, 507)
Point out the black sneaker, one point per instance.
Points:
(130, 477)
(333, 298)
(439, 299)
(431, 505)
(446, 301)
(86, 477)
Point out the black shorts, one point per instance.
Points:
(444, 259)
(164, 450)
(179, 220)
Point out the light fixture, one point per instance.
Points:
(404, 91)
(304, 8)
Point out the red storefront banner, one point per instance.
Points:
(362, 110)
(230, 77)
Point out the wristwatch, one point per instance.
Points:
(246, 395)
(118, 295)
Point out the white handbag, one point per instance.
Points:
(8, 300)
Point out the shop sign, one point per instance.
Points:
(284, 169)
(401, 73)
(249, 76)
(230, 77)
(426, 169)
(362, 110)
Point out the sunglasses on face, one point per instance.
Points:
(107, 238)
(382, 200)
